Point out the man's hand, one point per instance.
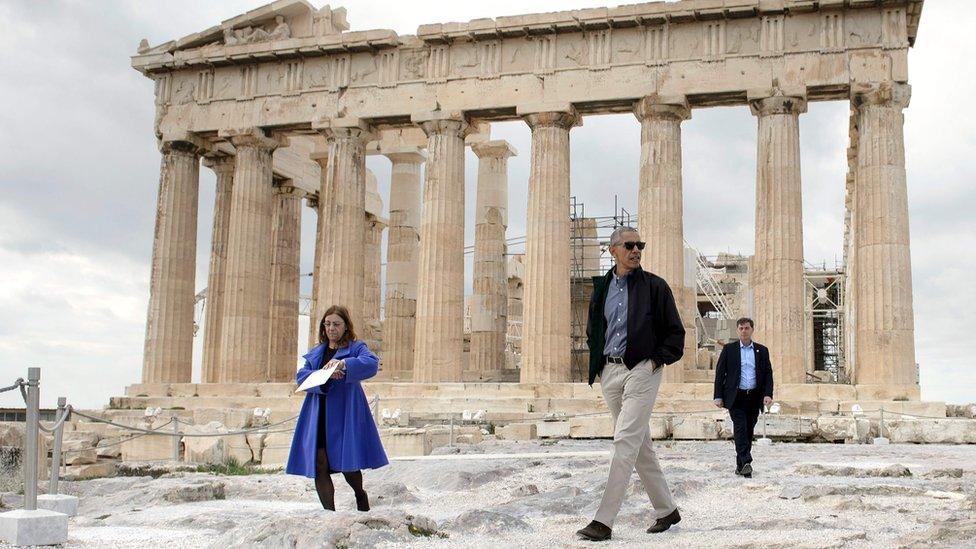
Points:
(767, 401)
(718, 403)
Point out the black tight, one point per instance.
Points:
(325, 488)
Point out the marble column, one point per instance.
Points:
(372, 255)
(223, 167)
(777, 267)
(547, 328)
(169, 321)
(312, 201)
(884, 317)
(403, 247)
(440, 293)
(342, 203)
(660, 212)
(245, 328)
(489, 305)
(286, 235)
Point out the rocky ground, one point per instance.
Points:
(802, 495)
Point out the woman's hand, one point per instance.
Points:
(340, 371)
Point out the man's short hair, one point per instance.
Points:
(615, 235)
(745, 320)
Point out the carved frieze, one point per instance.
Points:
(894, 28)
(205, 85)
(545, 54)
(599, 48)
(656, 45)
(713, 40)
(388, 67)
(832, 32)
(490, 58)
(771, 35)
(439, 63)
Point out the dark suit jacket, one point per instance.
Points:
(728, 372)
(654, 329)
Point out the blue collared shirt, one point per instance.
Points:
(615, 312)
(747, 355)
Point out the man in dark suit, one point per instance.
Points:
(743, 384)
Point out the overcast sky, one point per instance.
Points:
(79, 171)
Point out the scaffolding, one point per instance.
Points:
(825, 320)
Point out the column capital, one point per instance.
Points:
(288, 189)
(220, 163)
(345, 128)
(778, 104)
(312, 200)
(184, 141)
(406, 155)
(250, 137)
(660, 107)
(890, 94)
(561, 115)
(446, 122)
(496, 148)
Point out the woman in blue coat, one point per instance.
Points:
(335, 431)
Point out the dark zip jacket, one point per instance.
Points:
(654, 329)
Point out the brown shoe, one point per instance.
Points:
(595, 531)
(664, 523)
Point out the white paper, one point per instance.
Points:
(316, 378)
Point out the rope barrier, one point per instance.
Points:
(58, 423)
(184, 434)
(18, 383)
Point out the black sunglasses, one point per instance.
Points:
(630, 245)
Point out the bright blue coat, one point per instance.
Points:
(352, 441)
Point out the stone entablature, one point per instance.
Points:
(714, 52)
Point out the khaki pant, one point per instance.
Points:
(630, 395)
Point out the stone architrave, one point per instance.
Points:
(884, 316)
(312, 201)
(169, 321)
(286, 255)
(245, 327)
(223, 167)
(342, 206)
(547, 328)
(490, 303)
(440, 290)
(660, 211)
(403, 247)
(777, 268)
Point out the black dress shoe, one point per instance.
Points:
(595, 531)
(664, 523)
(746, 470)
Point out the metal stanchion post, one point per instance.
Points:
(56, 453)
(450, 441)
(30, 460)
(881, 438)
(176, 438)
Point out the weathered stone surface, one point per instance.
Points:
(591, 427)
(694, 428)
(275, 449)
(405, 442)
(833, 469)
(200, 491)
(937, 431)
(82, 456)
(95, 470)
(205, 449)
(487, 522)
(553, 429)
(517, 431)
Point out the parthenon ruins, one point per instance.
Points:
(285, 102)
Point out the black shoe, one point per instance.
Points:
(746, 470)
(595, 531)
(738, 471)
(362, 502)
(664, 523)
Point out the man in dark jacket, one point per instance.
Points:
(743, 384)
(633, 331)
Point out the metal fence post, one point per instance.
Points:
(881, 424)
(176, 438)
(31, 432)
(56, 453)
(450, 442)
